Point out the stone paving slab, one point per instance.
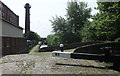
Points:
(44, 63)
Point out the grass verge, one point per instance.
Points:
(1, 63)
(37, 49)
(32, 46)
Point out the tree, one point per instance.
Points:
(88, 33)
(53, 40)
(112, 11)
(69, 29)
(32, 36)
(77, 15)
(59, 25)
(105, 25)
(107, 22)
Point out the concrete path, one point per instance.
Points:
(34, 49)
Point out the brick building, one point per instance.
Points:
(11, 34)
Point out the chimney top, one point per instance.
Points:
(27, 5)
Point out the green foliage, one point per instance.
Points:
(77, 14)
(36, 51)
(59, 25)
(68, 29)
(76, 27)
(32, 36)
(31, 47)
(88, 35)
(106, 24)
(117, 40)
(53, 40)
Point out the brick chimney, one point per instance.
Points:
(27, 17)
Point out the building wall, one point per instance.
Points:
(8, 14)
(0, 27)
(10, 30)
(11, 34)
(0, 37)
(9, 22)
(12, 40)
(12, 45)
(0, 46)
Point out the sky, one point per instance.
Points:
(41, 12)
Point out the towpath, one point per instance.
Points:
(35, 48)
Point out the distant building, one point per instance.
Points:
(12, 34)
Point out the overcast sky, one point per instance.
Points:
(41, 12)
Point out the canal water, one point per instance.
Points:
(42, 46)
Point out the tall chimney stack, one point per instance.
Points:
(27, 17)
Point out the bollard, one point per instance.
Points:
(61, 47)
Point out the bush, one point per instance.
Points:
(53, 40)
(117, 40)
(32, 36)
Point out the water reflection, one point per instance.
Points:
(42, 46)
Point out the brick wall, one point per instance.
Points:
(11, 45)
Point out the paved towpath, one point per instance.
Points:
(35, 48)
